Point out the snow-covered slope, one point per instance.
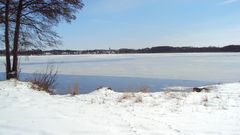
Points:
(24, 111)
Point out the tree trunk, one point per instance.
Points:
(7, 44)
(14, 71)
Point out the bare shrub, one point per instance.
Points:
(45, 81)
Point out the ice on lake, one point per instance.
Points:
(131, 71)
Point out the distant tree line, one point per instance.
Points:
(158, 49)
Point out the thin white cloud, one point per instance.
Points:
(225, 2)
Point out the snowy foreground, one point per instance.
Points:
(105, 112)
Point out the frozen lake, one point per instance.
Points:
(132, 71)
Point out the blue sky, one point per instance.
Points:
(104, 24)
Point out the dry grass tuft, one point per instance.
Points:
(45, 81)
(126, 95)
(75, 90)
(129, 96)
(144, 89)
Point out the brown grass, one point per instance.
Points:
(125, 96)
(130, 95)
(144, 89)
(45, 81)
(75, 90)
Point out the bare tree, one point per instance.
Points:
(4, 9)
(29, 23)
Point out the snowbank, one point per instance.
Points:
(24, 111)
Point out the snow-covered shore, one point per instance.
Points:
(24, 111)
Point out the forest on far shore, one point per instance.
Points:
(157, 49)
